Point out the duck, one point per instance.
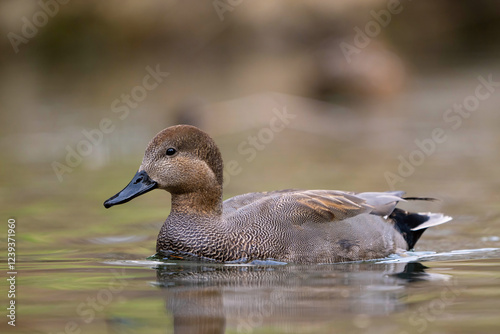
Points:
(291, 226)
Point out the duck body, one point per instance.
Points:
(300, 226)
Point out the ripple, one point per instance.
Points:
(452, 255)
(118, 239)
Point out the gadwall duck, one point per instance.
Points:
(299, 226)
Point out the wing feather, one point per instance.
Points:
(299, 206)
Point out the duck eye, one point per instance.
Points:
(171, 151)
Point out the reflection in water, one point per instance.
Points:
(205, 298)
(413, 272)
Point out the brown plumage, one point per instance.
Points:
(305, 226)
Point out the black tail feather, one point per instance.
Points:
(406, 221)
(420, 199)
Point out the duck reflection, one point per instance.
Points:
(207, 298)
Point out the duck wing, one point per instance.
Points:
(238, 202)
(300, 206)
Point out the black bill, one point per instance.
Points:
(140, 184)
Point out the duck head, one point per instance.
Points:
(181, 159)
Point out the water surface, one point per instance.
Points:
(84, 269)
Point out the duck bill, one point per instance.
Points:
(140, 184)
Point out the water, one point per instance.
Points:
(448, 293)
(83, 269)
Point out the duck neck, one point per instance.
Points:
(202, 202)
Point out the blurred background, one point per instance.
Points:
(84, 85)
(360, 95)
